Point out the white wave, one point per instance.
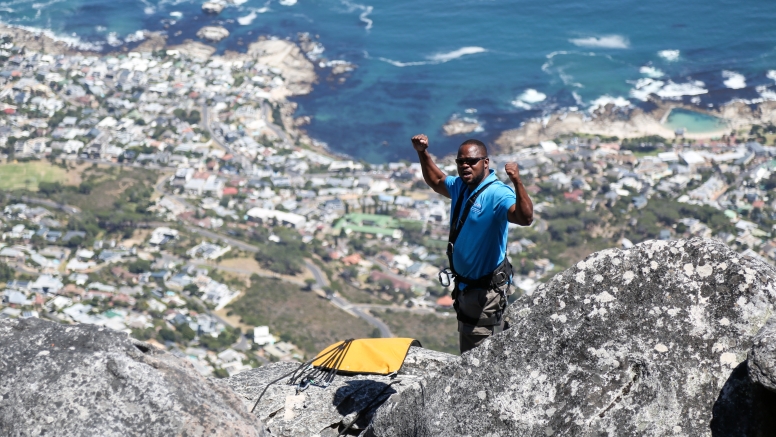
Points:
(239, 2)
(364, 16)
(455, 54)
(149, 9)
(176, 14)
(733, 80)
(439, 58)
(620, 102)
(771, 74)
(135, 37)
(604, 42)
(113, 39)
(287, 2)
(365, 11)
(644, 87)
(529, 97)
(403, 64)
(669, 55)
(766, 94)
(248, 19)
(577, 98)
(100, 28)
(651, 71)
(677, 90)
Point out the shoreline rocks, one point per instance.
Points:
(461, 126)
(610, 120)
(212, 8)
(212, 33)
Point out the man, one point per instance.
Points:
(478, 254)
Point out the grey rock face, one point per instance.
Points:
(640, 342)
(762, 358)
(83, 380)
(328, 411)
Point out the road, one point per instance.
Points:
(344, 305)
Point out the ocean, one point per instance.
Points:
(498, 62)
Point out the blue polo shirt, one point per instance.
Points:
(482, 244)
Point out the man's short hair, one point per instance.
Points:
(480, 145)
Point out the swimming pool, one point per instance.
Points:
(694, 122)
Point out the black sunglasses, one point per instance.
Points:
(469, 161)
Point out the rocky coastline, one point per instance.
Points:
(613, 121)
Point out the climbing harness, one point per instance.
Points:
(499, 279)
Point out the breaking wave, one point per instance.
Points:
(604, 42)
(669, 55)
(733, 80)
(651, 71)
(439, 58)
(771, 74)
(455, 54)
(248, 19)
(677, 90)
(620, 102)
(528, 97)
(365, 11)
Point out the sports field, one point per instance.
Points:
(29, 175)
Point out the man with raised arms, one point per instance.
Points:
(481, 208)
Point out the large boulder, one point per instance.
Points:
(84, 380)
(638, 342)
(349, 402)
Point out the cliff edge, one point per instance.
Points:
(664, 339)
(84, 380)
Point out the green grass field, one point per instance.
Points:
(29, 174)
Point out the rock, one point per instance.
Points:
(327, 411)
(460, 126)
(640, 342)
(84, 380)
(212, 8)
(297, 71)
(213, 33)
(762, 358)
(194, 49)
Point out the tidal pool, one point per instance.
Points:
(694, 122)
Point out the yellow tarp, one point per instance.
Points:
(370, 355)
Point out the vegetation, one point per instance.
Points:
(30, 175)
(433, 331)
(298, 316)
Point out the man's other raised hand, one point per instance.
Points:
(512, 171)
(420, 142)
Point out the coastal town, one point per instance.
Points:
(173, 195)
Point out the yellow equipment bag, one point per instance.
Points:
(381, 356)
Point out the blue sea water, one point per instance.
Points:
(422, 61)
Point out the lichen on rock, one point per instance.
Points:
(637, 342)
(85, 380)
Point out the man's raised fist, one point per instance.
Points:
(420, 142)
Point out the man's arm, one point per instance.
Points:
(433, 176)
(521, 212)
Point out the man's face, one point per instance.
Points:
(471, 168)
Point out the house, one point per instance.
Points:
(162, 235)
(262, 337)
